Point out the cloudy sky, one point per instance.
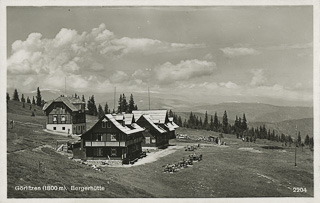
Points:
(244, 54)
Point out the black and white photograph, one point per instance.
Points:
(168, 102)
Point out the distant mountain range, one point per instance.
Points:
(280, 118)
(288, 127)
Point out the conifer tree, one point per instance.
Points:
(244, 123)
(23, 99)
(225, 123)
(100, 111)
(28, 100)
(135, 107)
(299, 139)
(83, 100)
(215, 122)
(106, 108)
(307, 140)
(124, 104)
(131, 104)
(211, 123)
(205, 122)
(15, 95)
(120, 102)
(38, 97)
(33, 101)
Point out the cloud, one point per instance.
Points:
(119, 77)
(229, 85)
(78, 56)
(168, 73)
(258, 78)
(241, 51)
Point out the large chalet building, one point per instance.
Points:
(159, 128)
(66, 114)
(112, 137)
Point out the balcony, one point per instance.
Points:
(104, 144)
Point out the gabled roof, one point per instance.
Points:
(68, 101)
(171, 126)
(158, 128)
(157, 116)
(129, 118)
(124, 129)
(118, 117)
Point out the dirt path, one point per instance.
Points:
(152, 156)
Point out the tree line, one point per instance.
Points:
(238, 128)
(35, 100)
(123, 106)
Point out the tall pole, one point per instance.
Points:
(295, 149)
(114, 97)
(65, 86)
(149, 97)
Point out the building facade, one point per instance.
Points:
(159, 128)
(66, 114)
(111, 138)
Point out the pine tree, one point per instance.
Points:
(33, 101)
(83, 100)
(38, 97)
(299, 139)
(205, 122)
(92, 108)
(15, 95)
(100, 112)
(120, 106)
(106, 108)
(225, 122)
(244, 125)
(23, 99)
(28, 100)
(131, 104)
(215, 122)
(307, 140)
(135, 107)
(211, 123)
(124, 104)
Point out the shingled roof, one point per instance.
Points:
(157, 116)
(68, 101)
(124, 129)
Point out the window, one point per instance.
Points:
(97, 151)
(113, 137)
(63, 128)
(109, 125)
(153, 140)
(55, 118)
(103, 124)
(113, 152)
(63, 118)
(54, 128)
(147, 140)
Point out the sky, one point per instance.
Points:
(237, 54)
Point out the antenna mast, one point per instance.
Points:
(114, 97)
(65, 86)
(149, 97)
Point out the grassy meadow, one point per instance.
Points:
(238, 169)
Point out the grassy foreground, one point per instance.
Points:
(239, 169)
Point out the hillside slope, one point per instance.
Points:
(255, 112)
(288, 127)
